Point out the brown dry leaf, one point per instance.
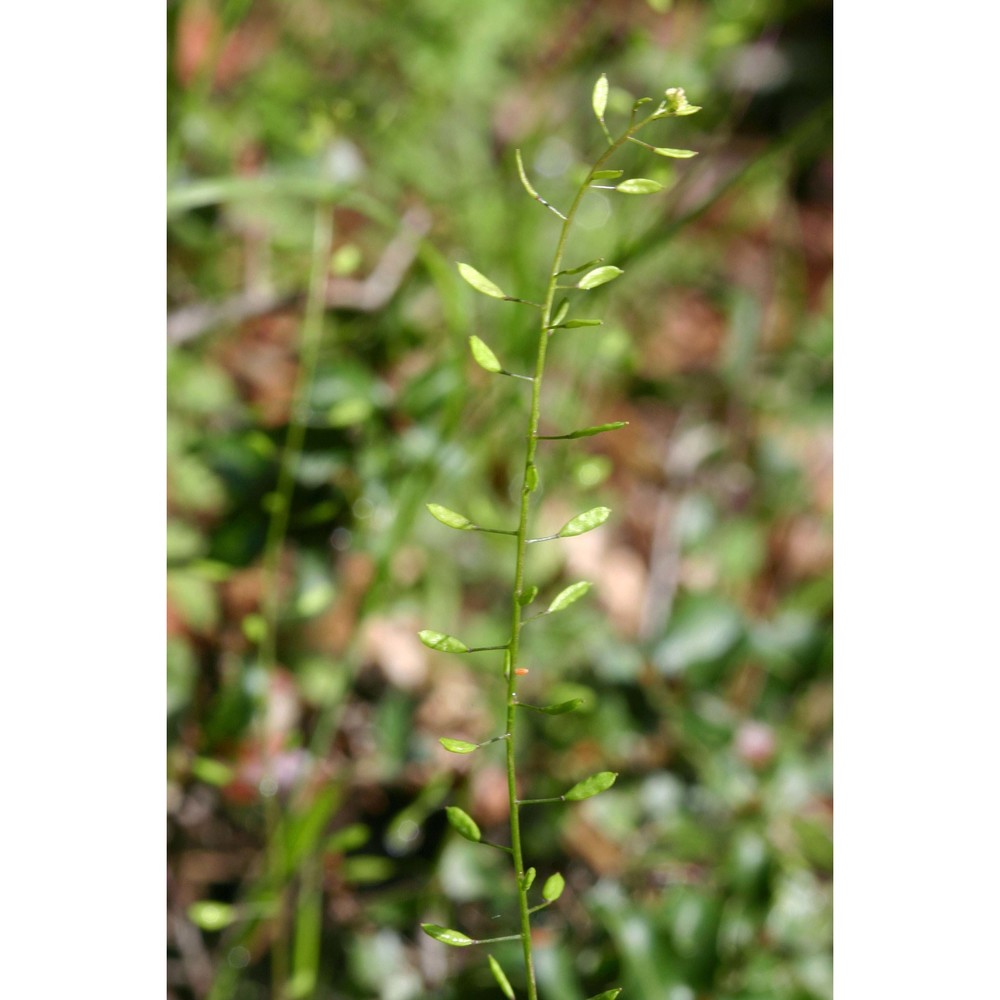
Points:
(490, 802)
(392, 645)
(808, 548)
(335, 628)
(242, 592)
(453, 706)
(262, 359)
(690, 336)
(621, 588)
(816, 224)
(199, 32)
(602, 854)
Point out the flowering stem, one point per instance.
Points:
(528, 478)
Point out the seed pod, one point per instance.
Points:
(676, 154)
(464, 824)
(447, 936)
(584, 522)
(450, 517)
(600, 98)
(502, 981)
(568, 596)
(480, 282)
(639, 185)
(485, 358)
(442, 642)
(600, 275)
(553, 887)
(593, 785)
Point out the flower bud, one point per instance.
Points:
(676, 99)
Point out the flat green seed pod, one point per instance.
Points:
(502, 981)
(450, 517)
(676, 154)
(593, 785)
(568, 596)
(480, 282)
(599, 429)
(464, 824)
(600, 97)
(600, 275)
(639, 185)
(585, 522)
(485, 358)
(553, 887)
(447, 936)
(442, 642)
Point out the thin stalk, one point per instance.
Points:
(312, 330)
(531, 443)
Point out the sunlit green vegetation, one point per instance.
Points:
(308, 837)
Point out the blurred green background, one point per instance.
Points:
(306, 789)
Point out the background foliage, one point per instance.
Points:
(704, 650)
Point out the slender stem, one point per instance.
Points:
(312, 330)
(531, 442)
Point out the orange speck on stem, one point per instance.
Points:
(521, 671)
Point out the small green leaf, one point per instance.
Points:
(464, 823)
(575, 323)
(689, 109)
(450, 518)
(606, 995)
(502, 981)
(529, 878)
(605, 175)
(561, 311)
(447, 936)
(639, 185)
(457, 746)
(531, 478)
(485, 358)
(441, 641)
(593, 785)
(583, 267)
(553, 887)
(677, 154)
(568, 596)
(600, 275)
(480, 282)
(600, 100)
(582, 523)
(599, 429)
(527, 596)
(211, 916)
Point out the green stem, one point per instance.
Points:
(312, 330)
(522, 542)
